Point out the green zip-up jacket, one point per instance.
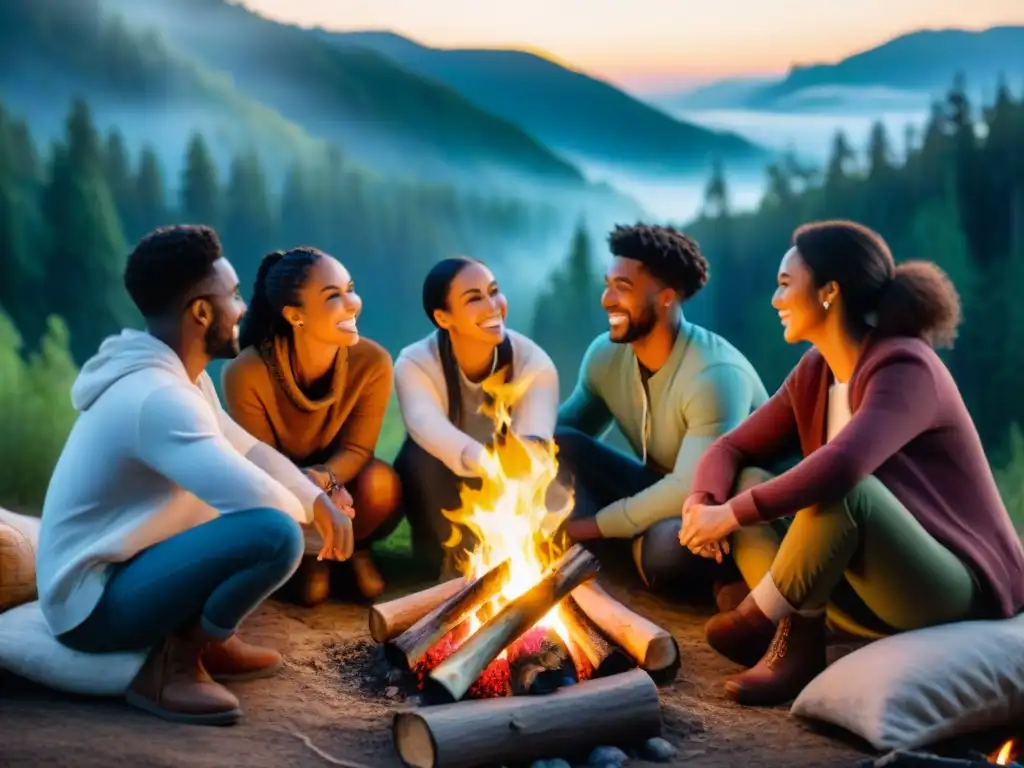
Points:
(705, 389)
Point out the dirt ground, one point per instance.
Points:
(328, 708)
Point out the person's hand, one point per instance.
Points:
(694, 499)
(716, 551)
(472, 459)
(582, 529)
(319, 476)
(343, 501)
(334, 527)
(704, 525)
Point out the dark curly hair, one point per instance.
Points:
(915, 298)
(280, 278)
(670, 256)
(168, 262)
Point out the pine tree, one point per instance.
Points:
(87, 248)
(151, 208)
(200, 191)
(248, 228)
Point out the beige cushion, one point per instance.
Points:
(19, 539)
(917, 688)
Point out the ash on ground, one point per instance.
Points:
(360, 665)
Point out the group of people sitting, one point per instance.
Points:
(858, 491)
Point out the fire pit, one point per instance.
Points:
(525, 619)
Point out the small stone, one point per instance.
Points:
(556, 763)
(607, 757)
(657, 750)
(391, 691)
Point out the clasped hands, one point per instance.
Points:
(706, 527)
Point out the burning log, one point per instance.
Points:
(589, 647)
(408, 648)
(450, 680)
(621, 709)
(389, 620)
(654, 649)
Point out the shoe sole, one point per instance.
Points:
(229, 717)
(256, 674)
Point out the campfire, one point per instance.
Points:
(525, 619)
(1005, 754)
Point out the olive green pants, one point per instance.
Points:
(865, 559)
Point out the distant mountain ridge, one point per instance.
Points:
(919, 65)
(571, 112)
(387, 117)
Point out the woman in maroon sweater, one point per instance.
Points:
(892, 520)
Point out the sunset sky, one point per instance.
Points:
(653, 44)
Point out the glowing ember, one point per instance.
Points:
(508, 515)
(1005, 753)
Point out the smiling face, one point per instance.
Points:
(219, 307)
(631, 299)
(329, 306)
(476, 308)
(799, 302)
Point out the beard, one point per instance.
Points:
(640, 326)
(220, 341)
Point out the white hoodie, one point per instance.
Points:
(151, 455)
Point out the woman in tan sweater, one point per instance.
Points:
(307, 384)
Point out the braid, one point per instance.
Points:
(278, 281)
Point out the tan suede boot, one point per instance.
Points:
(174, 685)
(235, 660)
(368, 579)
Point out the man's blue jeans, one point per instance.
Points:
(216, 573)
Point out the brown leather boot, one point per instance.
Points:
(235, 660)
(741, 635)
(368, 579)
(729, 594)
(795, 657)
(173, 685)
(312, 581)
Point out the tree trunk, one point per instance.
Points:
(590, 649)
(654, 649)
(450, 679)
(619, 710)
(389, 620)
(409, 647)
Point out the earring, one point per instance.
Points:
(300, 323)
(826, 304)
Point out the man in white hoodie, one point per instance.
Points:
(165, 523)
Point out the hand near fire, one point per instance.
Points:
(706, 527)
(582, 529)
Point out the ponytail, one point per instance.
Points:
(920, 301)
(280, 276)
(260, 318)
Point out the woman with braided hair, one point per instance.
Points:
(892, 520)
(439, 383)
(307, 384)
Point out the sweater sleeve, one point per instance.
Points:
(426, 418)
(357, 439)
(179, 436)
(585, 410)
(900, 402)
(537, 410)
(758, 437)
(720, 401)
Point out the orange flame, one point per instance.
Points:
(508, 514)
(1002, 757)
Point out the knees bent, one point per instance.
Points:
(662, 561)
(376, 490)
(274, 534)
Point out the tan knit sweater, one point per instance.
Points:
(339, 429)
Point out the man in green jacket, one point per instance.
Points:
(670, 386)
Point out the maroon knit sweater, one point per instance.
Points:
(910, 429)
